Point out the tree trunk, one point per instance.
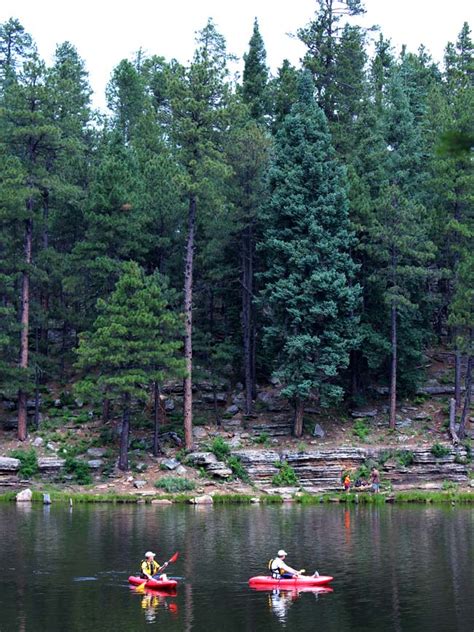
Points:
(157, 413)
(124, 436)
(457, 374)
(393, 368)
(247, 315)
(298, 425)
(105, 410)
(452, 421)
(467, 399)
(25, 323)
(188, 326)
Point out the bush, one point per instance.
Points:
(28, 462)
(263, 438)
(220, 448)
(360, 429)
(286, 476)
(237, 468)
(172, 484)
(438, 450)
(405, 457)
(79, 469)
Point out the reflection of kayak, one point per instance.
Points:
(155, 584)
(292, 590)
(295, 583)
(154, 592)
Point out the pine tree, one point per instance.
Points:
(133, 343)
(255, 77)
(199, 107)
(308, 298)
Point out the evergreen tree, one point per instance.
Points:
(308, 297)
(284, 92)
(200, 116)
(255, 76)
(133, 343)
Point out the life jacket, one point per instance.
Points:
(151, 568)
(276, 572)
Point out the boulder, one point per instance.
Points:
(360, 414)
(8, 464)
(219, 469)
(318, 432)
(169, 405)
(206, 499)
(138, 484)
(181, 470)
(50, 463)
(97, 453)
(232, 410)
(24, 496)
(199, 432)
(95, 464)
(37, 442)
(203, 459)
(161, 501)
(170, 464)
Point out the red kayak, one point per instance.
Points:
(155, 584)
(291, 584)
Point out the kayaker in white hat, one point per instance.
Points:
(150, 568)
(279, 569)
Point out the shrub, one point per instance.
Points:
(220, 448)
(360, 429)
(28, 462)
(79, 469)
(172, 484)
(237, 468)
(405, 457)
(438, 450)
(286, 476)
(263, 438)
(448, 486)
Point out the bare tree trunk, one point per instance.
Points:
(457, 375)
(247, 316)
(105, 410)
(157, 413)
(393, 368)
(467, 399)
(45, 296)
(188, 326)
(452, 421)
(124, 436)
(298, 425)
(25, 323)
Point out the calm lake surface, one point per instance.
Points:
(395, 568)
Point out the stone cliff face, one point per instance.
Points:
(320, 470)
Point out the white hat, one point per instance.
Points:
(281, 553)
(150, 554)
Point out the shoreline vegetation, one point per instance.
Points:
(400, 497)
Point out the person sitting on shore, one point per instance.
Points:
(279, 569)
(150, 568)
(347, 483)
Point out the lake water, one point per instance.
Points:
(408, 568)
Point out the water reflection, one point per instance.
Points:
(153, 600)
(395, 568)
(280, 601)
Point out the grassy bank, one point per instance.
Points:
(414, 496)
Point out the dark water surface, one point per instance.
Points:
(395, 568)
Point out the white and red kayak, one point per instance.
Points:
(156, 584)
(293, 583)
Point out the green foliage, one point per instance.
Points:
(405, 457)
(28, 462)
(220, 448)
(79, 469)
(263, 438)
(237, 468)
(439, 451)
(172, 484)
(286, 476)
(361, 429)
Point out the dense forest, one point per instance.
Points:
(313, 227)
